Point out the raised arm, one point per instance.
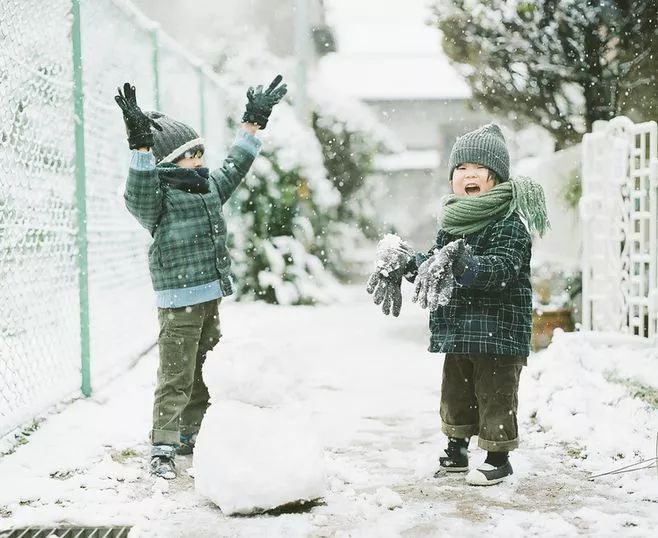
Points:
(143, 195)
(246, 146)
(241, 155)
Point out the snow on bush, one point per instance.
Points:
(351, 136)
(312, 174)
(279, 236)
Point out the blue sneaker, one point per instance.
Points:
(187, 443)
(162, 461)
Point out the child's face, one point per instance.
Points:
(191, 160)
(470, 179)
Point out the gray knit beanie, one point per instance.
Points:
(485, 146)
(174, 140)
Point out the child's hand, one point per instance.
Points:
(385, 282)
(461, 255)
(436, 276)
(260, 103)
(435, 281)
(138, 124)
(387, 290)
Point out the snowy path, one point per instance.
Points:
(373, 392)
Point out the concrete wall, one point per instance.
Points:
(562, 243)
(408, 204)
(428, 124)
(411, 197)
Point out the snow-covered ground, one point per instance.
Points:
(373, 394)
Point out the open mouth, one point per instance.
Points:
(472, 189)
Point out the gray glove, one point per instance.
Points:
(393, 256)
(461, 255)
(436, 276)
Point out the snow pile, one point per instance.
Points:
(594, 394)
(255, 450)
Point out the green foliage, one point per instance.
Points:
(572, 190)
(348, 156)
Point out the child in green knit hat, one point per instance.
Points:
(476, 283)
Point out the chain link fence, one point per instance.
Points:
(49, 339)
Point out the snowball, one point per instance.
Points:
(249, 372)
(248, 459)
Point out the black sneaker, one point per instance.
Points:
(162, 461)
(187, 443)
(488, 475)
(454, 459)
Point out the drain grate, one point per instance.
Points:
(67, 532)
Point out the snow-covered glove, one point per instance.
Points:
(436, 276)
(461, 255)
(393, 256)
(138, 124)
(260, 103)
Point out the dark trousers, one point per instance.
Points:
(479, 396)
(181, 396)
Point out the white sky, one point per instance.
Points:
(387, 50)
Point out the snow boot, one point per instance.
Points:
(162, 461)
(494, 470)
(187, 443)
(455, 458)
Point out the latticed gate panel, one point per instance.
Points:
(618, 209)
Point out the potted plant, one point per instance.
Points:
(555, 304)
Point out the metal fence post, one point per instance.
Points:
(202, 99)
(155, 61)
(81, 202)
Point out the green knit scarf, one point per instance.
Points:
(464, 215)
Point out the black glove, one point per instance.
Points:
(393, 256)
(260, 103)
(138, 124)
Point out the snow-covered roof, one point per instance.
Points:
(386, 50)
(388, 78)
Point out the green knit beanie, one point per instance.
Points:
(485, 146)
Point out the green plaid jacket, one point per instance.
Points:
(490, 311)
(189, 230)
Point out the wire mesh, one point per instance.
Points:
(115, 48)
(40, 326)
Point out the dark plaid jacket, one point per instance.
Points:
(490, 311)
(188, 229)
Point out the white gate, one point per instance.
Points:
(618, 210)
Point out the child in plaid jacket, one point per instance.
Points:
(179, 201)
(476, 282)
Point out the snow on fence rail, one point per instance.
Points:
(75, 293)
(618, 208)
